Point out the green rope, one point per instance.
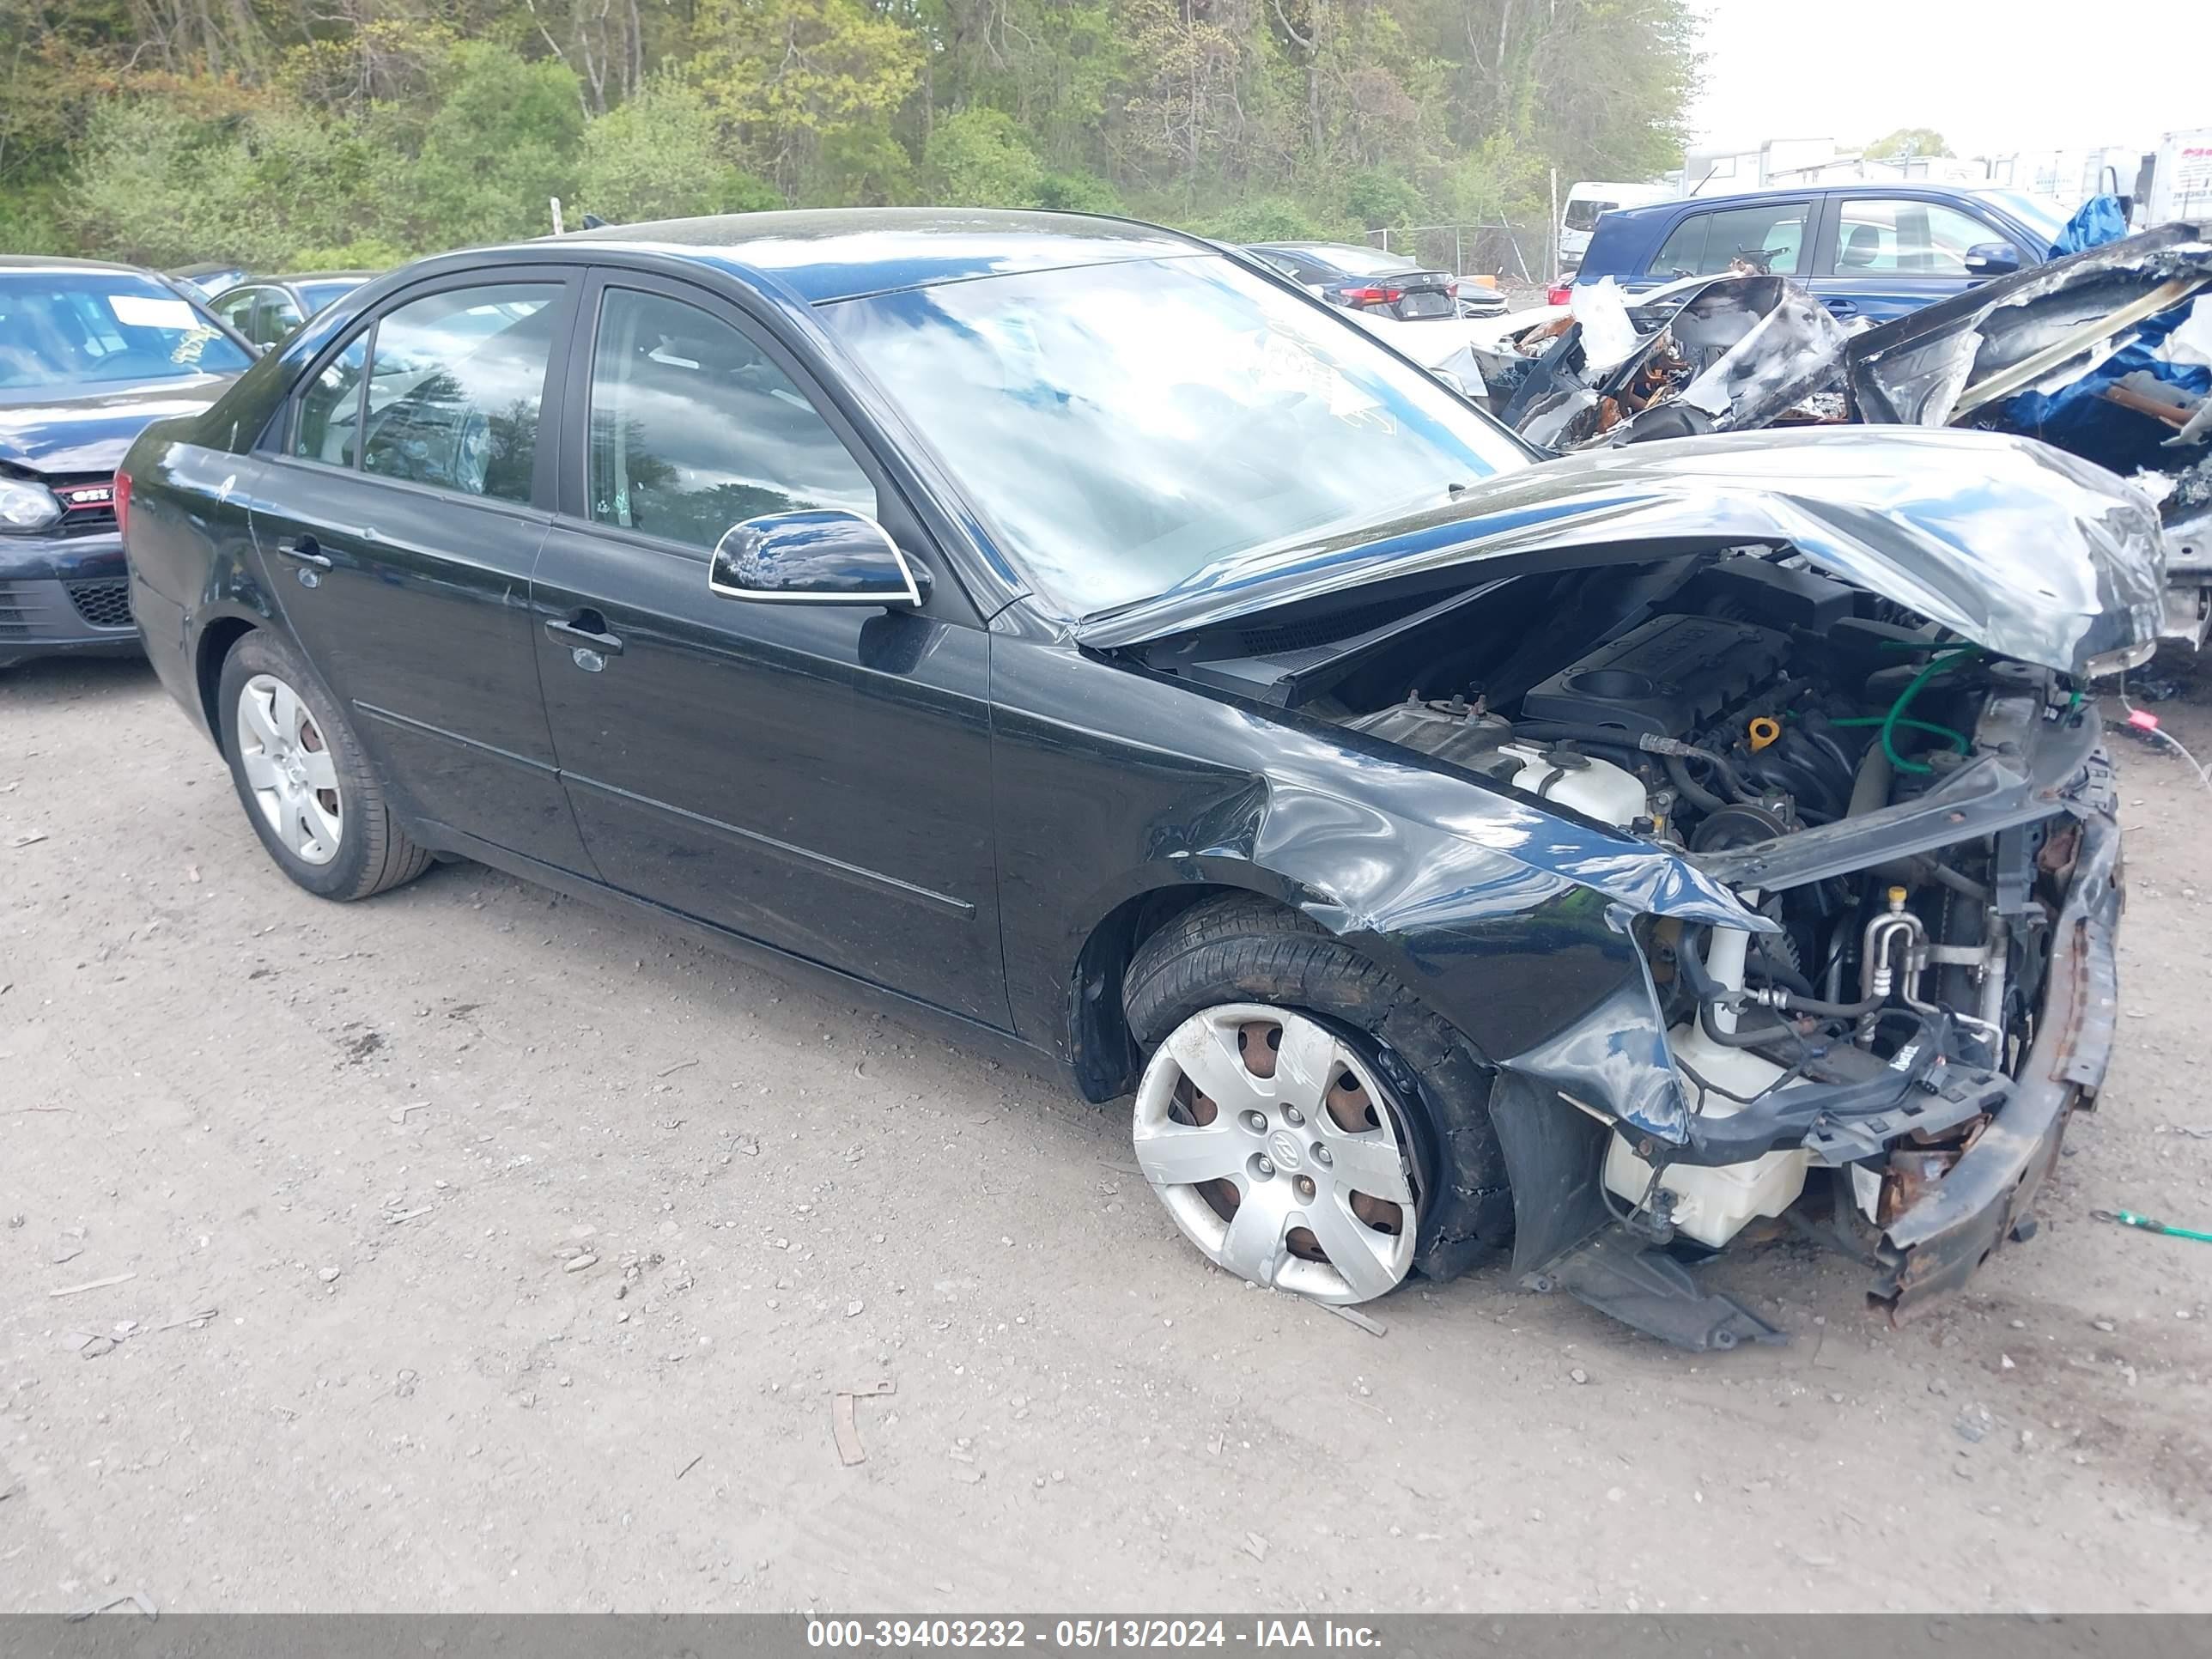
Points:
(2130, 1219)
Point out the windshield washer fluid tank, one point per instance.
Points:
(1713, 1205)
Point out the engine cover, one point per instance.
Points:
(1666, 678)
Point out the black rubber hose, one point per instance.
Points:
(1689, 789)
(1832, 1010)
(1702, 985)
(1572, 732)
(1778, 973)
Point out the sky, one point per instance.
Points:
(1993, 76)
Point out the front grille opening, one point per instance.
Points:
(103, 604)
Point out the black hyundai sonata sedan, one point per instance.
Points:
(1055, 625)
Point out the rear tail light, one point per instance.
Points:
(1374, 296)
(1561, 295)
(1452, 287)
(122, 502)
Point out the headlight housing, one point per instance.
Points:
(26, 505)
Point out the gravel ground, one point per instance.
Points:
(538, 1244)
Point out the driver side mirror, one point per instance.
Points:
(819, 556)
(1992, 260)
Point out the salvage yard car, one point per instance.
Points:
(1377, 281)
(88, 354)
(1873, 251)
(264, 309)
(2105, 353)
(1050, 624)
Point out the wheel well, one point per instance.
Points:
(216, 641)
(1105, 1055)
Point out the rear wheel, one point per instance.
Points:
(1307, 1124)
(300, 774)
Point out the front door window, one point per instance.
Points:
(695, 429)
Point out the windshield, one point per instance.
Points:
(1121, 427)
(92, 328)
(1582, 212)
(2045, 215)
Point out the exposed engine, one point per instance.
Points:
(1761, 700)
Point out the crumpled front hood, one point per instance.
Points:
(2018, 547)
(60, 430)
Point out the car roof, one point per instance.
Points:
(1745, 198)
(55, 262)
(841, 253)
(314, 276)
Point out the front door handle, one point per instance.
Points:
(587, 629)
(304, 550)
(1841, 308)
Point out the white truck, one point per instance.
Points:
(1588, 198)
(2180, 179)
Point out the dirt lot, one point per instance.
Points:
(539, 1242)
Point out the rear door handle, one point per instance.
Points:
(586, 629)
(303, 549)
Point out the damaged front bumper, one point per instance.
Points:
(1947, 1211)
(1934, 1247)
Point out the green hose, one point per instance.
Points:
(1958, 740)
(1891, 721)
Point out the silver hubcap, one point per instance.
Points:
(289, 769)
(1278, 1153)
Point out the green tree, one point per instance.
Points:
(660, 155)
(977, 158)
(793, 74)
(1906, 144)
(183, 128)
(1378, 199)
(1266, 219)
(503, 142)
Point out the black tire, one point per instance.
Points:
(1249, 949)
(374, 853)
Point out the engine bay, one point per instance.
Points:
(1709, 705)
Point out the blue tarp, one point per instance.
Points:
(2100, 220)
(2077, 417)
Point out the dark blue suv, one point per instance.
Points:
(1872, 251)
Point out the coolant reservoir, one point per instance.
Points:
(1596, 788)
(1712, 1206)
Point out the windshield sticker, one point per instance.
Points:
(146, 311)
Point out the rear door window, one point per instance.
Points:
(695, 429)
(456, 383)
(1770, 237)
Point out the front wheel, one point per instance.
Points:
(306, 787)
(1307, 1125)
(1280, 1153)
